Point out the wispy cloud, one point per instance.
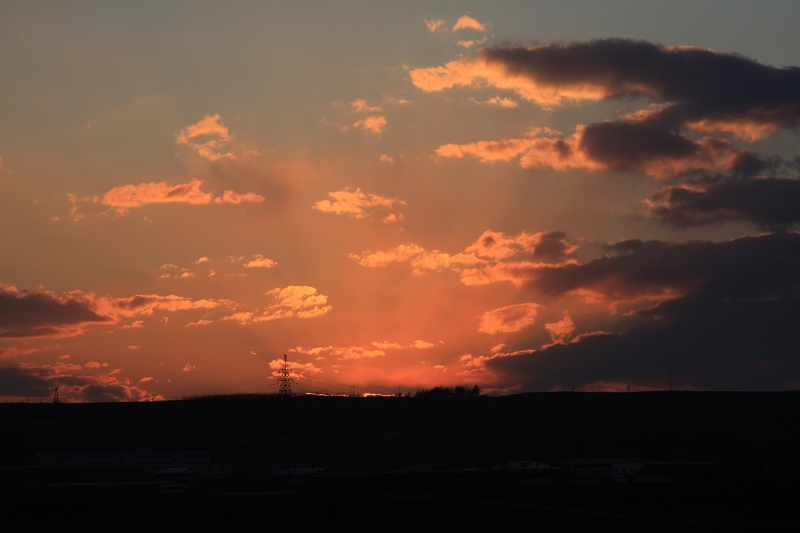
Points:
(357, 204)
(360, 105)
(434, 24)
(508, 319)
(208, 137)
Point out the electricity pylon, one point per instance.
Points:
(285, 378)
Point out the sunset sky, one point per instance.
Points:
(527, 196)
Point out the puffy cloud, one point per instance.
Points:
(292, 301)
(486, 260)
(356, 203)
(259, 261)
(343, 352)
(465, 22)
(375, 349)
(386, 345)
(46, 314)
(386, 158)
(372, 123)
(766, 201)
(208, 138)
(422, 345)
(298, 369)
(508, 319)
(127, 197)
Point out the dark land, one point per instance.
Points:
(657, 461)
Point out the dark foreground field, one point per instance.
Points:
(557, 461)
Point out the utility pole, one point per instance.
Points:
(285, 378)
(55, 395)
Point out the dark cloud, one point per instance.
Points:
(765, 266)
(631, 145)
(552, 245)
(706, 84)
(767, 202)
(24, 383)
(105, 393)
(39, 382)
(28, 314)
(728, 312)
(694, 89)
(725, 344)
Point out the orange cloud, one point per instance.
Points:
(373, 123)
(127, 197)
(342, 352)
(743, 128)
(376, 349)
(561, 330)
(18, 352)
(356, 203)
(471, 43)
(259, 261)
(293, 301)
(360, 105)
(422, 345)
(498, 101)
(208, 138)
(297, 369)
(508, 319)
(483, 261)
(434, 24)
(147, 304)
(233, 197)
(474, 72)
(575, 152)
(171, 271)
(465, 22)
